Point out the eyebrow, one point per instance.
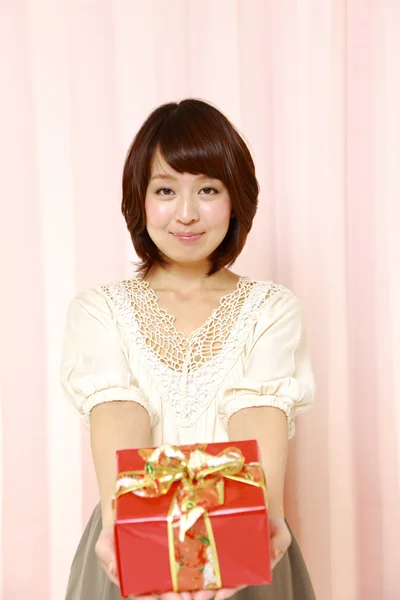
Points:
(173, 178)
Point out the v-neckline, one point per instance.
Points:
(172, 319)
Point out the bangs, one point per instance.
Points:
(191, 143)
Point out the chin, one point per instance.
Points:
(187, 258)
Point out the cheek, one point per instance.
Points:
(218, 213)
(158, 215)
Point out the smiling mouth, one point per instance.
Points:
(187, 237)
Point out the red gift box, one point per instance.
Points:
(189, 518)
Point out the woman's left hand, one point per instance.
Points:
(279, 537)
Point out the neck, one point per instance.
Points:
(192, 276)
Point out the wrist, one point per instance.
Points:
(275, 509)
(107, 516)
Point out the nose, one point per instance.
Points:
(187, 210)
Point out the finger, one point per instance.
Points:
(113, 574)
(105, 553)
(110, 572)
(166, 596)
(203, 595)
(112, 577)
(277, 556)
(278, 546)
(107, 560)
(227, 592)
(175, 596)
(280, 540)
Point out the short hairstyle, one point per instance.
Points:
(193, 137)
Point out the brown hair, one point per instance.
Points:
(193, 137)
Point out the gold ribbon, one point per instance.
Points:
(200, 477)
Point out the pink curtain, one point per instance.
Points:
(314, 87)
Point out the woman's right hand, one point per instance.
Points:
(105, 551)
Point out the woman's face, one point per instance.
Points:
(187, 216)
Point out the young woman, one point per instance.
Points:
(186, 350)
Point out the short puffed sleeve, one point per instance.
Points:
(277, 372)
(95, 366)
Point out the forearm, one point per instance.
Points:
(115, 426)
(268, 426)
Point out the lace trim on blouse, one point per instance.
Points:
(188, 370)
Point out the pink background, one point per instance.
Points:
(314, 87)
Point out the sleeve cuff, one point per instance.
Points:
(115, 394)
(240, 402)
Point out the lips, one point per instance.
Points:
(187, 236)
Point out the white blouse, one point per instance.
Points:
(251, 351)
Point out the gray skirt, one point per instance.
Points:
(88, 580)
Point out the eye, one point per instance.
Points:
(164, 190)
(208, 189)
